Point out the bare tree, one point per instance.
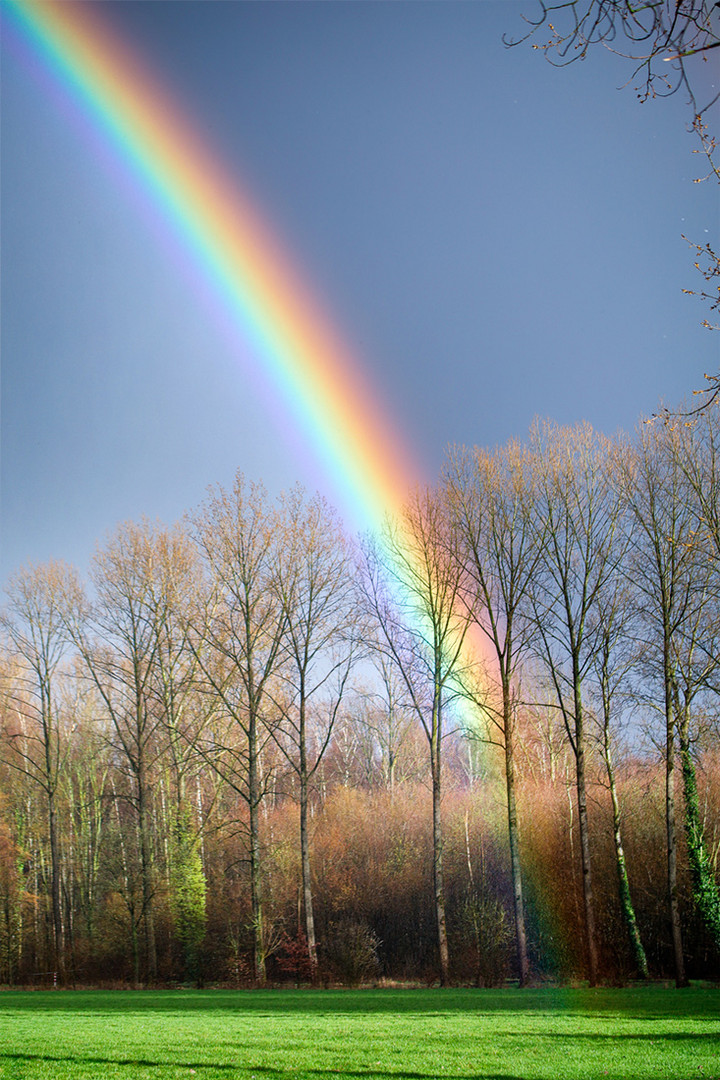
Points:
(120, 634)
(315, 581)
(411, 583)
(696, 647)
(240, 645)
(613, 662)
(663, 39)
(700, 462)
(489, 504)
(174, 595)
(87, 783)
(38, 745)
(663, 568)
(576, 513)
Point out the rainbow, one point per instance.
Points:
(303, 361)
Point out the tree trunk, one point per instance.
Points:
(705, 890)
(148, 883)
(681, 979)
(588, 895)
(255, 856)
(305, 840)
(55, 887)
(135, 948)
(514, 839)
(438, 881)
(626, 903)
(306, 880)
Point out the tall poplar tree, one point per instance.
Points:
(240, 646)
(412, 584)
(575, 514)
(662, 571)
(672, 489)
(315, 580)
(489, 498)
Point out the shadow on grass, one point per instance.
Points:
(256, 1070)
(641, 1003)
(640, 1036)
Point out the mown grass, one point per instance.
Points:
(545, 1034)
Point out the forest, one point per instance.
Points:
(481, 746)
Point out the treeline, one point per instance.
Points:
(482, 745)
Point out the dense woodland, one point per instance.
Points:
(482, 746)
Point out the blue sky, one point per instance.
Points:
(495, 239)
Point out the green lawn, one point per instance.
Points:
(547, 1034)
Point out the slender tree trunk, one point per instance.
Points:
(55, 871)
(201, 823)
(130, 899)
(681, 979)
(135, 947)
(513, 836)
(146, 862)
(583, 828)
(438, 880)
(35, 912)
(306, 880)
(626, 903)
(68, 892)
(305, 840)
(50, 746)
(255, 855)
(705, 890)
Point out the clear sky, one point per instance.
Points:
(495, 239)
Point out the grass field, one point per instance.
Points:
(546, 1034)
